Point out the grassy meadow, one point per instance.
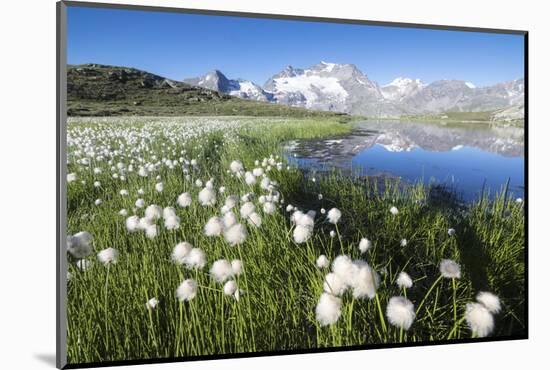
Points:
(271, 291)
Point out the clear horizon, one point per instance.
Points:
(179, 46)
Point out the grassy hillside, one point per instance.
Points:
(101, 90)
(475, 117)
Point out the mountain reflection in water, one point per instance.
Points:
(464, 156)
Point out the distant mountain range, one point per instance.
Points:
(344, 88)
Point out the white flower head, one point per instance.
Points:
(404, 280)
(231, 201)
(301, 234)
(214, 226)
(333, 284)
(255, 219)
(229, 219)
(221, 270)
(140, 203)
(400, 312)
(479, 319)
(108, 256)
(196, 259)
(334, 215)
(159, 187)
(451, 232)
(207, 197)
(364, 245)
(151, 231)
(490, 301)
(184, 200)
(449, 269)
(394, 211)
(80, 244)
(230, 287)
(132, 223)
(236, 234)
(269, 208)
(153, 212)
(172, 222)
(152, 303)
(187, 290)
(403, 242)
(236, 166)
(364, 281)
(328, 309)
(236, 267)
(180, 252)
(247, 208)
(322, 261)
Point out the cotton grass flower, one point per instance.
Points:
(236, 234)
(328, 309)
(80, 244)
(180, 252)
(98, 202)
(404, 281)
(237, 267)
(247, 208)
(151, 304)
(490, 301)
(159, 187)
(214, 226)
(249, 179)
(255, 219)
(140, 203)
(403, 242)
(449, 269)
(172, 222)
(71, 177)
(322, 261)
(230, 287)
(153, 212)
(269, 208)
(229, 219)
(196, 259)
(451, 232)
(334, 215)
(364, 245)
(187, 290)
(400, 312)
(132, 223)
(236, 166)
(333, 284)
(207, 197)
(184, 200)
(108, 256)
(151, 231)
(479, 319)
(394, 211)
(301, 234)
(231, 201)
(365, 280)
(221, 270)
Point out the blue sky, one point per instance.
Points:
(178, 46)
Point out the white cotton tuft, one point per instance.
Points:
(301, 234)
(187, 290)
(80, 244)
(269, 208)
(214, 226)
(479, 319)
(258, 171)
(343, 267)
(231, 201)
(364, 245)
(180, 252)
(132, 223)
(159, 187)
(229, 219)
(195, 259)
(490, 301)
(404, 280)
(108, 256)
(236, 234)
(140, 203)
(365, 280)
(255, 219)
(247, 208)
(394, 211)
(289, 208)
(237, 267)
(184, 200)
(230, 287)
(333, 284)
(249, 179)
(172, 223)
(334, 215)
(207, 197)
(322, 261)
(400, 312)
(221, 270)
(153, 212)
(449, 269)
(151, 304)
(328, 310)
(236, 166)
(123, 212)
(151, 231)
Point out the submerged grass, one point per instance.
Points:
(107, 316)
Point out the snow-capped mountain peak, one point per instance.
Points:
(470, 85)
(402, 87)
